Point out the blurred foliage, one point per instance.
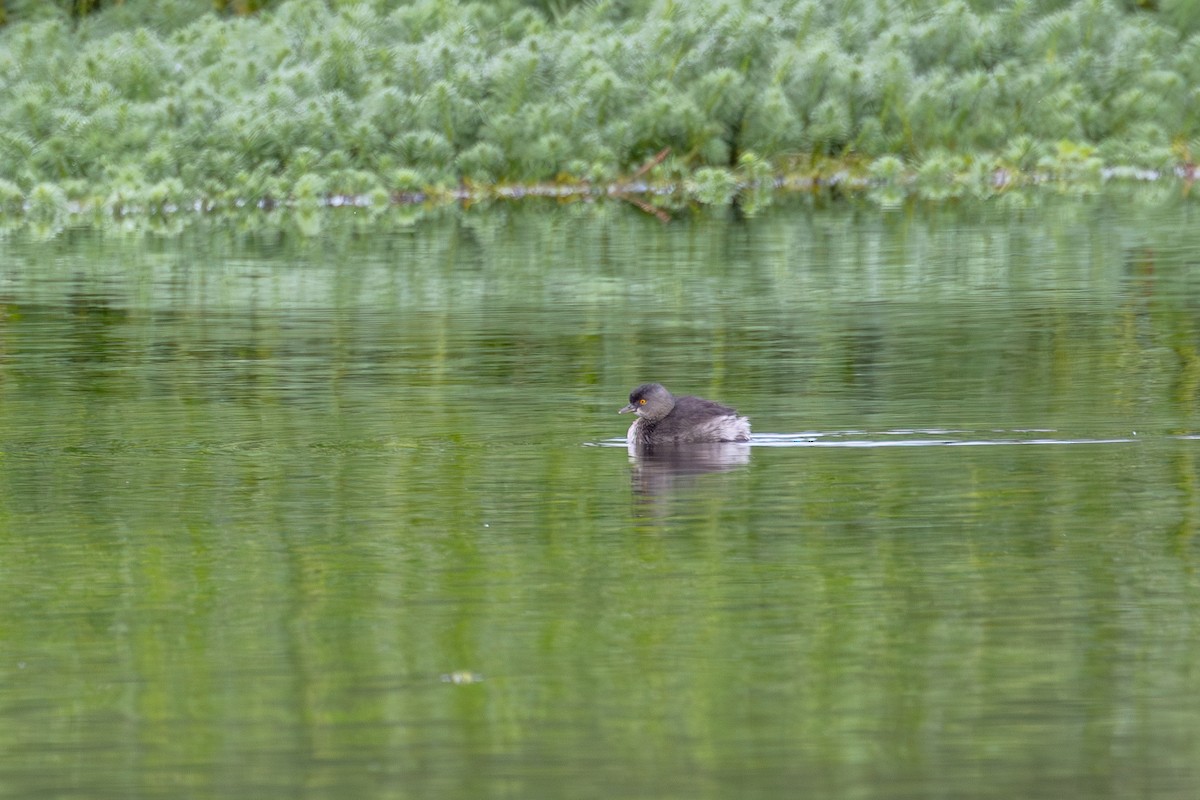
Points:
(250, 100)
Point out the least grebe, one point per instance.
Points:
(664, 418)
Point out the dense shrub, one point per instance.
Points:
(189, 98)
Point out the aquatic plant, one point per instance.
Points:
(255, 97)
(165, 196)
(407, 180)
(47, 205)
(483, 161)
(309, 190)
(11, 197)
(428, 151)
(888, 181)
(713, 186)
(936, 174)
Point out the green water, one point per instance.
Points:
(347, 516)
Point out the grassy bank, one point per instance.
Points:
(145, 106)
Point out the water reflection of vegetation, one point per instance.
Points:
(829, 297)
(151, 107)
(263, 492)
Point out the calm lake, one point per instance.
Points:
(349, 515)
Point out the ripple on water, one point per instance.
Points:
(932, 437)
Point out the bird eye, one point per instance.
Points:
(642, 402)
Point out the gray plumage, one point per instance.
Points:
(666, 419)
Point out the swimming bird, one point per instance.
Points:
(664, 418)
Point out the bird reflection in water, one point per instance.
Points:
(658, 469)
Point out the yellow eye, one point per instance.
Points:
(642, 402)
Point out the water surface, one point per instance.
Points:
(340, 516)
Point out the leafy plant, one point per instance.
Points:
(235, 96)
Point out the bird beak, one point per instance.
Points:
(628, 409)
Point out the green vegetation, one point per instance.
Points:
(142, 107)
